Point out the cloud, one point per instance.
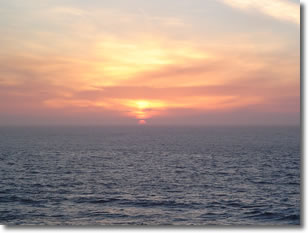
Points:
(263, 95)
(68, 11)
(105, 61)
(278, 9)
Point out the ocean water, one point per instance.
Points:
(150, 175)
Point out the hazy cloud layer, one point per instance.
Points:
(93, 62)
(278, 9)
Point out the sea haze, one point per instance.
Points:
(150, 175)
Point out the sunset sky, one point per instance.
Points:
(159, 62)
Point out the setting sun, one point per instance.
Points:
(142, 104)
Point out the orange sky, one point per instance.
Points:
(181, 62)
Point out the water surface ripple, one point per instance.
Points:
(150, 175)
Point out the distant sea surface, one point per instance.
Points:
(150, 175)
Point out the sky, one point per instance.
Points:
(141, 62)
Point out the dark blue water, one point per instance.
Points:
(150, 175)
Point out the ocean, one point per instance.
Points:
(150, 175)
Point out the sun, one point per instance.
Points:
(143, 109)
(142, 104)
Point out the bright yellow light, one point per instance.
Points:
(142, 104)
(142, 109)
(123, 61)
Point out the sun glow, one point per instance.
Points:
(142, 122)
(142, 104)
(143, 109)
